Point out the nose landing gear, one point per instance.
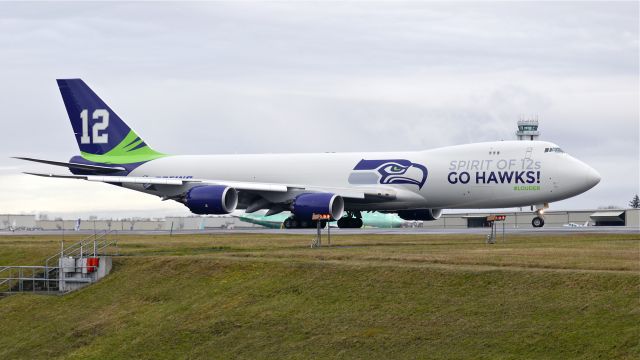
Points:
(538, 221)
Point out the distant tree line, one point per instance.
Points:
(635, 202)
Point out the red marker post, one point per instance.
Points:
(319, 217)
(492, 219)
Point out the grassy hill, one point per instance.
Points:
(375, 296)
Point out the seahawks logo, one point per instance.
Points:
(390, 171)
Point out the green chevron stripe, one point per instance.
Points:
(133, 144)
(120, 155)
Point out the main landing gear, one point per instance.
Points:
(294, 223)
(353, 220)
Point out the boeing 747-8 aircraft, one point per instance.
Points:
(417, 185)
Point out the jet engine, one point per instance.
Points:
(420, 214)
(305, 205)
(211, 199)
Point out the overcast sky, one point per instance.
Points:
(256, 77)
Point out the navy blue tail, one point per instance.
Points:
(97, 128)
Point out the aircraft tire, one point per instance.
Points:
(349, 223)
(537, 222)
(343, 223)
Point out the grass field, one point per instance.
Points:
(375, 296)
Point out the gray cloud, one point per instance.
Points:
(261, 77)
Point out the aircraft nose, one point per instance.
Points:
(591, 176)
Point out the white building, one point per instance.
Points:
(17, 222)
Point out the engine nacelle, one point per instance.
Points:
(305, 205)
(211, 199)
(420, 214)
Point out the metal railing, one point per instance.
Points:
(97, 244)
(45, 279)
(27, 278)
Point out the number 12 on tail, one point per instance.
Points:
(102, 122)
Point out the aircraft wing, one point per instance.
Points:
(115, 179)
(352, 193)
(168, 181)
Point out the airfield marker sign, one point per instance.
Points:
(317, 242)
(491, 239)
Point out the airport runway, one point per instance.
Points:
(419, 231)
(372, 231)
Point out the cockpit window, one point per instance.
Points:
(553, 149)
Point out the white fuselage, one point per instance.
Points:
(480, 175)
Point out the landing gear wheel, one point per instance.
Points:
(537, 222)
(349, 223)
(294, 223)
(343, 223)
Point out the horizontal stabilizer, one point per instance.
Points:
(96, 168)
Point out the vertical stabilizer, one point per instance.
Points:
(101, 134)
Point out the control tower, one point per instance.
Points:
(528, 129)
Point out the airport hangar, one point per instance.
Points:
(627, 218)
